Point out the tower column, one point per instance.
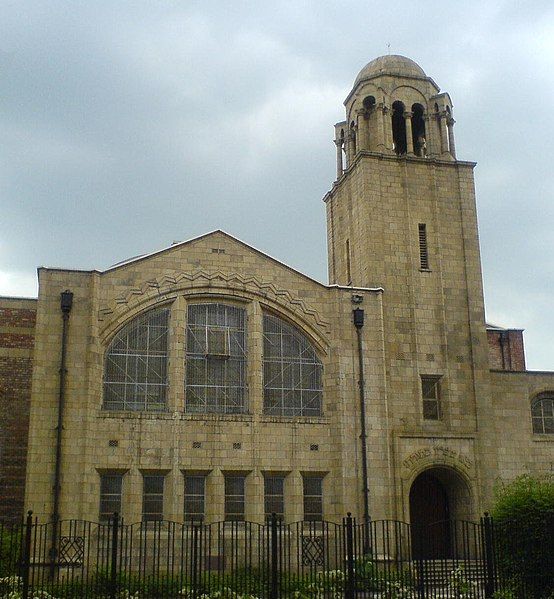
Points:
(340, 169)
(409, 135)
(452, 146)
(443, 129)
(381, 145)
(387, 129)
(363, 130)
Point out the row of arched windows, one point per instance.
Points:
(136, 364)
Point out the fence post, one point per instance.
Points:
(274, 557)
(194, 559)
(113, 564)
(26, 555)
(350, 586)
(488, 550)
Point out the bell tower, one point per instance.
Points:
(401, 215)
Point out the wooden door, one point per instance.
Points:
(429, 515)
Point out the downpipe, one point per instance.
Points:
(66, 303)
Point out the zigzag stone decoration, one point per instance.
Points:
(168, 282)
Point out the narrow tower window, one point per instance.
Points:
(418, 130)
(430, 391)
(348, 272)
(423, 248)
(399, 128)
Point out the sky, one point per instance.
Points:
(126, 126)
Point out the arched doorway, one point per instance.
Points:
(438, 496)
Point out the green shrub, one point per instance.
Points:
(10, 550)
(524, 520)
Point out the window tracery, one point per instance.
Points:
(215, 379)
(135, 367)
(292, 371)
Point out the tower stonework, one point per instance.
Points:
(402, 215)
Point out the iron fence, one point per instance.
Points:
(274, 560)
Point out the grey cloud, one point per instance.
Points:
(129, 125)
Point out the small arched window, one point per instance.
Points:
(542, 412)
(292, 371)
(135, 367)
(399, 128)
(215, 379)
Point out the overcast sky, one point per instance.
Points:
(126, 126)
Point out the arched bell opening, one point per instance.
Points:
(418, 130)
(368, 103)
(440, 499)
(399, 128)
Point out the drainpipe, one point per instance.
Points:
(66, 302)
(358, 317)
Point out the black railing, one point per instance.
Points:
(300, 560)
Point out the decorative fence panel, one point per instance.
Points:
(75, 558)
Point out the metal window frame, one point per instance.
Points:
(308, 515)
(206, 392)
(152, 496)
(135, 386)
(235, 516)
(292, 395)
(106, 515)
(436, 399)
(189, 515)
(272, 496)
(538, 416)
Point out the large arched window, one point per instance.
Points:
(542, 412)
(215, 379)
(135, 367)
(292, 371)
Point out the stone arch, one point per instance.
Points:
(408, 95)
(155, 292)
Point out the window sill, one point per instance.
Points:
(425, 270)
(295, 419)
(543, 437)
(216, 416)
(137, 415)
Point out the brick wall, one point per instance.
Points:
(17, 332)
(506, 349)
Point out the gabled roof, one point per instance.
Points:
(181, 244)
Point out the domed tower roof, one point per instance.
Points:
(390, 64)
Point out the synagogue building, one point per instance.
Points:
(210, 381)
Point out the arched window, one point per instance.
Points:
(292, 371)
(135, 367)
(418, 130)
(399, 128)
(215, 379)
(542, 412)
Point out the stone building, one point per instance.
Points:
(210, 380)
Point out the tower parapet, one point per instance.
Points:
(395, 108)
